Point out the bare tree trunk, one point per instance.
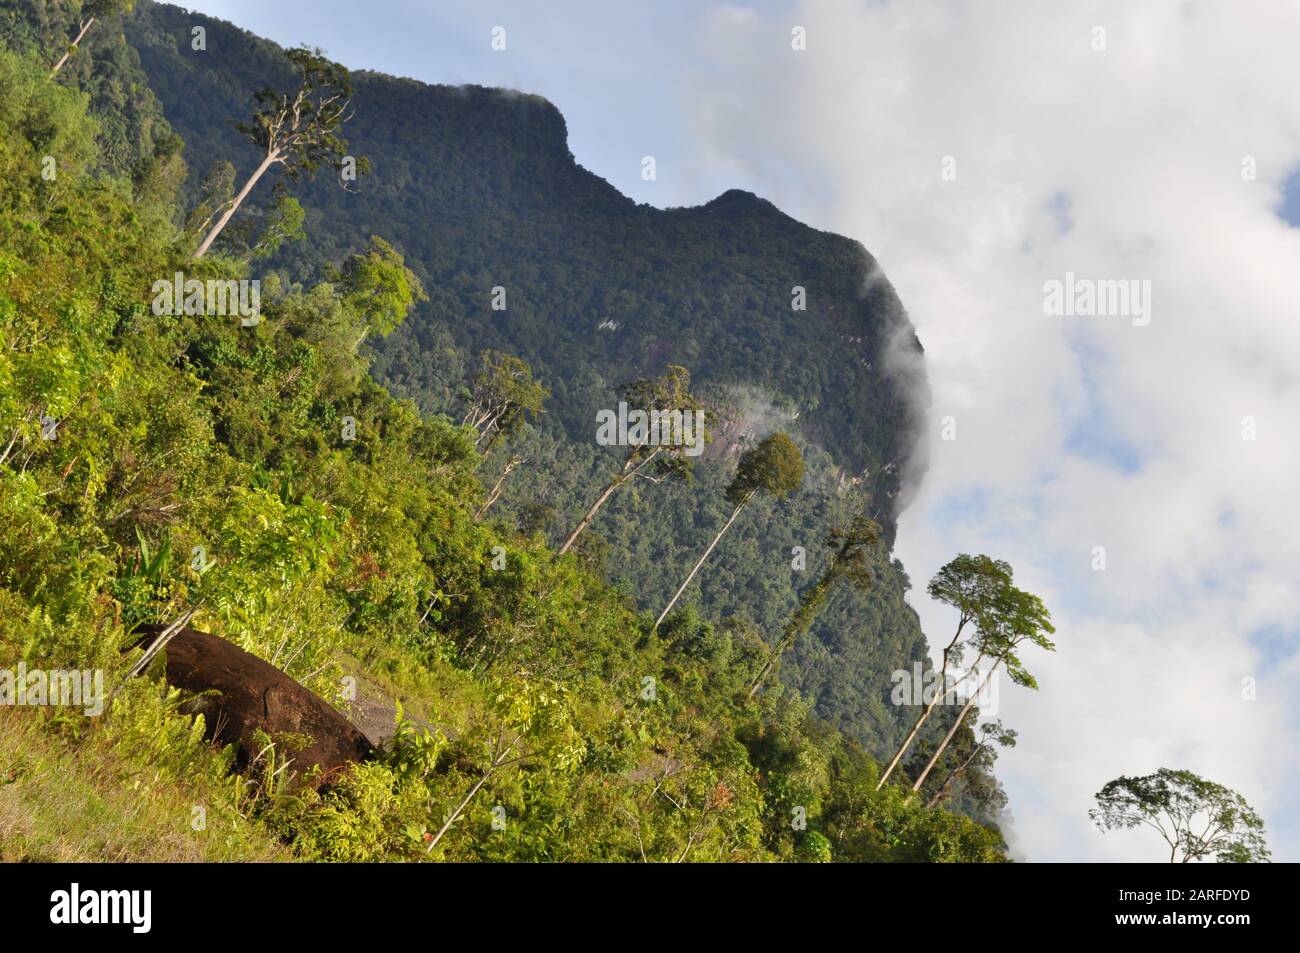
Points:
(768, 663)
(63, 59)
(682, 588)
(767, 667)
(955, 725)
(27, 416)
(5, 456)
(493, 496)
(271, 157)
(802, 620)
(153, 648)
(929, 709)
(955, 773)
(591, 514)
(487, 775)
(907, 742)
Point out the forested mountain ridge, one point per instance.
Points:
(177, 432)
(478, 189)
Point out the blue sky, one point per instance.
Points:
(1290, 208)
(609, 68)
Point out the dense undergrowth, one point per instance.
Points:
(153, 462)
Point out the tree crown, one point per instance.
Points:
(380, 286)
(666, 395)
(300, 130)
(503, 394)
(1197, 817)
(968, 583)
(775, 467)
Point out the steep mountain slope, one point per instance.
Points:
(159, 464)
(206, 432)
(134, 139)
(478, 188)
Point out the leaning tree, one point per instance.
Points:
(297, 130)
(979, 758)
(659, 449)
(1012, 618)
(92, 10)
(968, 584)
(503, 396)
(850, 562)
(774, 467)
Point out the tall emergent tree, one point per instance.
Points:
(1012, 618)
(849, 562)
(380, 288)
(982, 754)
(968, 584)
(1193, 815)
(775, 466)
(504, 394)
(662, 441)
(92, 10)
(298, 130)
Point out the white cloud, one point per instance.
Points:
(1083, 431)
(1138, 149)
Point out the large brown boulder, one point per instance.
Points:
(243, 694)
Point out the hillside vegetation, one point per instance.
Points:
(155, 462)
(478, 190)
